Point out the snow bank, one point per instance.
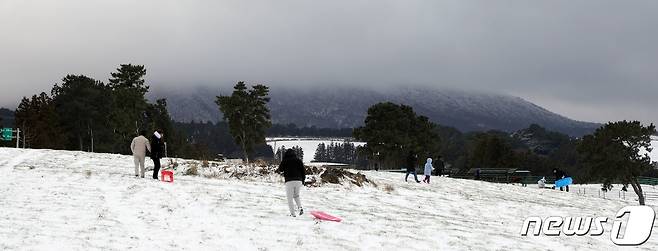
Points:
(80, 201)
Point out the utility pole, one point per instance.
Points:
(92, 139)
(18, 137)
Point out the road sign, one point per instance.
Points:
(7, 134)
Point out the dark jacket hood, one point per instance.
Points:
(290, 154)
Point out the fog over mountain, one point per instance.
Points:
(593, 60)
(346, 107)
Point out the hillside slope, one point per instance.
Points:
(341, 107)
(81, 201)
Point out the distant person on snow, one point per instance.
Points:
(157, 151)
(542, 182)
(138, 147)
(559, 174)
(439, 166)
(428, 170)
(411, 166)
(294, 174)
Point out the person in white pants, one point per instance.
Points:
(294, 174)
(138, 147)
(292, 193)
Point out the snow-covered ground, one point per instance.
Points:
(308, 145)
(61, 200)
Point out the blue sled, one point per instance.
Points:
(563, 182)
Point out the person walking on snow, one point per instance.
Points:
(138, 147)
(411, 166)
(438, 166)
(294, 174)
(428, 170)
(157, 151)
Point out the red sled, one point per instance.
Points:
(167, 173)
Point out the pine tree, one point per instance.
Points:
(128, 92)
(247, 115)
(83, 105)
(491, 150)
(39, 122)
(320, 153)
(392, 130)
(612, 154)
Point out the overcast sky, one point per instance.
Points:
(589, 60)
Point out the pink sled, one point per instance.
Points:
(325, 216)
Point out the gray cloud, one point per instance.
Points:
(589, 60)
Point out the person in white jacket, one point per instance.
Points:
(138, 147)
(428, 170)
(542, 182)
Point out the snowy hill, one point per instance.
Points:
(342, 107)
(62, 200)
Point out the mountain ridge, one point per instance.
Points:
(346, 107)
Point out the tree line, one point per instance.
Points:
(615, 153)
(215, 138)
(345, 153)
(82, 113)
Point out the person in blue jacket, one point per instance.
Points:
(559, 174)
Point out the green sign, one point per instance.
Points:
(7, 134)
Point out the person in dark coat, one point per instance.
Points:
(439, 166)
(411, 163)
(157, 151)
(294, 174)
(559, 174)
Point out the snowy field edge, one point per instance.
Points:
(67, 200)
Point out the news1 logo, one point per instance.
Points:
(637, 231)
